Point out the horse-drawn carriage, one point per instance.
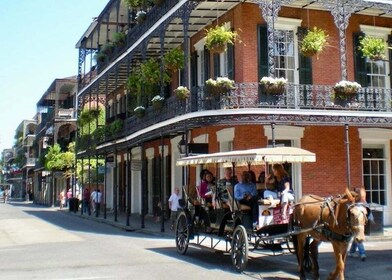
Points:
(229, 224)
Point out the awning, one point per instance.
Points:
(252, 156)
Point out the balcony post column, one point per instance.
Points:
(162, 31)
(186, 13)
(341, 12)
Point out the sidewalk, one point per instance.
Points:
(152, 227)
(135, 222)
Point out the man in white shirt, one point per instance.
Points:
(173, 205)
(92, 196)
(97, 199)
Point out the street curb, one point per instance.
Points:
(118, 225)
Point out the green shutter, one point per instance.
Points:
(230, 62)
(262, 51)
(359, 61)
(216, 65)
(206, 64)
(194, 69)
(304, 63)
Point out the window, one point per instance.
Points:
(286, 49)
(377, 72)
(284, 54)
(374, 176)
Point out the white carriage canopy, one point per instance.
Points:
(254, 156)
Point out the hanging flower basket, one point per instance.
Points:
(157, 102)
(141, 16)
(275, 86)
(372, 47)
(218, 37)
(219, 86)
(218, 48)
(314, 42)
(139, 111)
(182, 93)
(345, 89)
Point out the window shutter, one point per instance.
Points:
(230, 61)
(194, 69)
(304, 63)
(262, 51)
(359, 61)
(390, 57)
(206, 64)
(216, 65)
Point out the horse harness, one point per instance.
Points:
(322, 227)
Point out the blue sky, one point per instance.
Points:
(37, 45)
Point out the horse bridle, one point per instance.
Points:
(361, 207)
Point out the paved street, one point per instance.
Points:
(43, 243)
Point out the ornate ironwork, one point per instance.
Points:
(270, 10)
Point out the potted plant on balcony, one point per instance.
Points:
(182, 93)
(174, 59)
(157, 102)
(139, 111)
(218, 37)
(372, 47)
(219, 86)
(314, 42)
(141, 16)
(275, 86)
(119, 39)
(346, 88)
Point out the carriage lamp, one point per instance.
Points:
(182, 146)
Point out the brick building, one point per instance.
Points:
(141, 150)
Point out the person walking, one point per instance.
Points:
(69, 196)
(97, 199)
(92, 196)
(173, 205)
(361, 199)
(61, 199)
(86, 201)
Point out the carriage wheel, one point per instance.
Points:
(239, 248)
(182, 233)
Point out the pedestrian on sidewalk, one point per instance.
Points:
(97, 199)
(69, 196)
(86, 202)
(92, 196)
(62, 199)
(361, 199)
(173, 205)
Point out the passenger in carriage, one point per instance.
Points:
(245, 193)
(283, 186)
(223, 187)
(267, 188)
(207, 187)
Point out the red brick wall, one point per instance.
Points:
(325, 177)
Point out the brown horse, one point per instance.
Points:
(328, 219)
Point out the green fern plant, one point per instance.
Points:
(372, 47)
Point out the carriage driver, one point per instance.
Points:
(245, 193)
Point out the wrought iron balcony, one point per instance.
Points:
(66, 113)
(250, 96)
(30, 162)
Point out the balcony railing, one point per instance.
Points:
(250, 95)
(30, 162)
(66, 113)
